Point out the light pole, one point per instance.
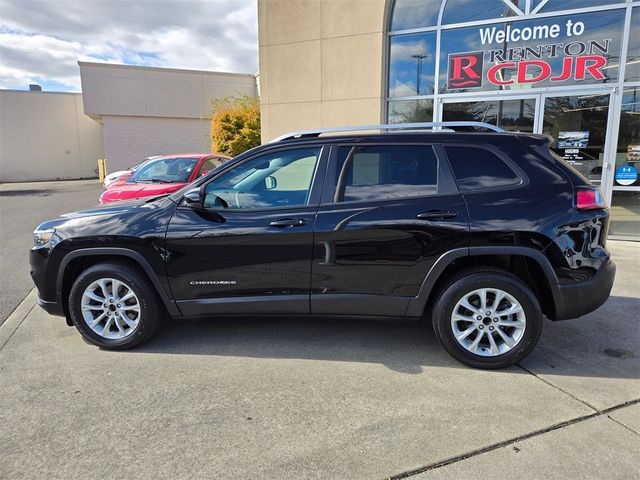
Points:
(419, 57)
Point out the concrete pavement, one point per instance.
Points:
(23, 206)
(297, 398)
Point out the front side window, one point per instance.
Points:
(477, 169)
(386, 172)
(281, 179)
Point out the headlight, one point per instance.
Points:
(42, 237)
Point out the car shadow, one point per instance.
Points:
(40, 192)
(597, 345)
(401, 345)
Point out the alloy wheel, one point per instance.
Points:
(110, 308)
(488, 322)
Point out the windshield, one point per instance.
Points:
(136, 166)
(165, 170)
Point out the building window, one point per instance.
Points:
(543, 6)
(633, 52)
(495, 57)
(514, 115)
(412, 65)
(411, 111)
(459, 11)
(409, 14)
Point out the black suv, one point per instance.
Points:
(480, 230)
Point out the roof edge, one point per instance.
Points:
(161, 69)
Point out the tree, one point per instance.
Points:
(235, 124)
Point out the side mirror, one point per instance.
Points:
(204, 172)
(193, 198)
(270, 182)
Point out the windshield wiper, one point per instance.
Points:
(154, 180)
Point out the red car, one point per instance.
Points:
(162, 175)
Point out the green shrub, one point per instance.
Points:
(235, 125)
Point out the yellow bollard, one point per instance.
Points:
(102, 169)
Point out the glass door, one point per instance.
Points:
(512, 114)
(625, 198)
(578, 125)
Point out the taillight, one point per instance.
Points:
(589, 199)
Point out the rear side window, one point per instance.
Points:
(478, 169)
(210, 164)
(386, 172)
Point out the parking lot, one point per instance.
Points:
(23, 206)
(293, 398)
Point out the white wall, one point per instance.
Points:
(157, 92)
(155, 111)
(47, 136)
(131, 139)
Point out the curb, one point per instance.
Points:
(11, 324)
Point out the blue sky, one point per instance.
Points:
(41, 41)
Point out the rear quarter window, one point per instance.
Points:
(477, 168)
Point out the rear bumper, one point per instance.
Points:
(577, 299)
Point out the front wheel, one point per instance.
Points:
(487, 319)
(113, 306)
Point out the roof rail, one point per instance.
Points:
(393, 126)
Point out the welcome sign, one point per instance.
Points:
(557, 52)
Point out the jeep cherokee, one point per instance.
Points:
(482, 231)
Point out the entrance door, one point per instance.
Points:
(579, 126)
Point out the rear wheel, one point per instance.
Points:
(487, 319)
(113, 306)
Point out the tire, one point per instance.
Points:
(132, 323)
(515, 324)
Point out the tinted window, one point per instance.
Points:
(378, 173)
(281, 179)
(477, 168)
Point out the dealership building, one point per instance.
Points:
(566, 68)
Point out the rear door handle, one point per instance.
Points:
(288, 222)
(437, 215)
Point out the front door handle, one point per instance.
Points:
(288, 222)
(437, 215)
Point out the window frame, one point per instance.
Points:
(520, 175)
(315, 188)
(445, 181)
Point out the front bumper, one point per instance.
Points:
(577, 299)
(45, 281)
(52, 308)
